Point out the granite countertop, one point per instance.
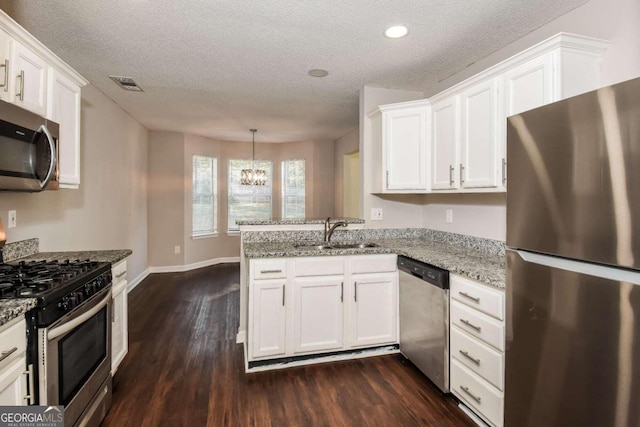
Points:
(112, 256)
(12, 308)
(281, 221)
(475, 264)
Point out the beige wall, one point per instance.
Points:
(347, 144)
(402, 210)
(485, 215)
(109, 211)
(170, 208)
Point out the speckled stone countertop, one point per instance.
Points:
(486, 268)
(12, 308)
(112, 256)
(280, 221)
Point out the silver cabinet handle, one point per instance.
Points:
(21, 86)
(5, 83)
(461, 173)
(121, 274)
(270, 271)
(504, 171)
(31, 385)
(474, 397)
(341, 291)
(466, 354)
(471, 325)
(466, 295)
(387, 179)
(283, 293)
(451, 169)
(7, 353)
(355, 291)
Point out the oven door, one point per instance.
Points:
(75, 359)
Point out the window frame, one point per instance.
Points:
(214, 194)
(283, 181)
(257, 163)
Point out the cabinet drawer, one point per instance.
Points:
(319, 266)
(478, 357)
(478, 296)
(119, 271)
(479, 325)
(269, 268)
(13, 335)
(477, 393)
(373, 264)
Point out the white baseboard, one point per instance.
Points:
(135, 282)
(241, 336)
(194, 266)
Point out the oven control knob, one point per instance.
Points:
(78, 297)
(64, 305)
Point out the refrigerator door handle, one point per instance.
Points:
(596, 270)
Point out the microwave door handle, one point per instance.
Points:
(52, 149)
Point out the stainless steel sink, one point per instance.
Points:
(354, 246)
(323, 246)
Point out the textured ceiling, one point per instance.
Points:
(218, 68)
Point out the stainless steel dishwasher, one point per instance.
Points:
(424, 319)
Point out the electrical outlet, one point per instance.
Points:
(449, 216)
(376, 214)
(176, 249)
(12, 219)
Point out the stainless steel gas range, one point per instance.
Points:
(69, 334)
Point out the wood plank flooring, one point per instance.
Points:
(185, 369)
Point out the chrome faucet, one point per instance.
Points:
(329, 229)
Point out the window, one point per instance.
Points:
(293, 189)
(248, 201)
(205, 196)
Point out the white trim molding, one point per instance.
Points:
(135, 282)
(194, 266)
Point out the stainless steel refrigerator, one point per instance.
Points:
(573, 264)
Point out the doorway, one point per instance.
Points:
(351, 185)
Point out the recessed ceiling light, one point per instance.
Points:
(396, 32)
(318, 72)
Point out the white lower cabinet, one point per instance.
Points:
(477, 344)
(14, 374)
(119, 315)
(375, 309)
(321, 305)
(318, 314)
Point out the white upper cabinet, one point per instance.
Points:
(64, 108)
(445, 140)
(529, 85)
(479, 142)
(400, 147)
(30, 79)
(5, 61)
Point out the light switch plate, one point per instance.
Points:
(376, 214)
(449, 216)
(12, 220)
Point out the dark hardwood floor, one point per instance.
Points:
(185, 369)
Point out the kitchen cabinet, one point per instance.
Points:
(477, 344)
(318, 314)
(64, 108)
(445, 143)
(321, 304)
(14, 375)
(119, 317)
(267, 318)
(34, 78)
(30, 79)
(400, 147)
(375, 309)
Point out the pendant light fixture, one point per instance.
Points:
(253, 176)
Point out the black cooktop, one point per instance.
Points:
(47, 280)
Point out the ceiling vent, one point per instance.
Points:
(126, 83)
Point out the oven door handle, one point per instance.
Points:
(70, 325)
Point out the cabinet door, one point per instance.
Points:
(528, 86)
(318, 314)
(13, 384)
(30, 75)
(405, 144)
(64, 109)
(479, 145)
(5, 66)
(120, 333)
(374, 314)
(267, 318)
(445, 140)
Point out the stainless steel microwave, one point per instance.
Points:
(28, 150)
